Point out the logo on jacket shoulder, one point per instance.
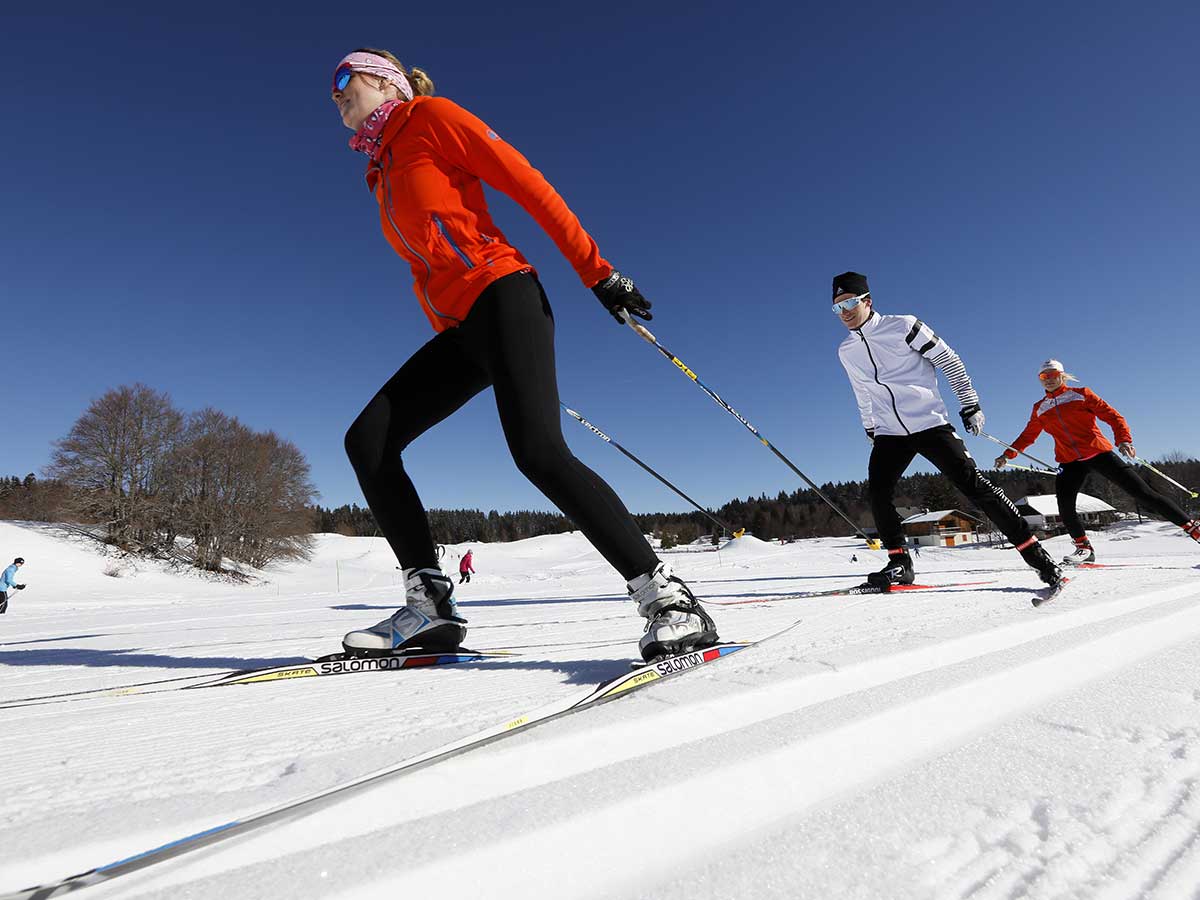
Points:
(493, 135)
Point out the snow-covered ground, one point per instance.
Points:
(950, 744)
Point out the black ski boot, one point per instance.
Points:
(899, 570)
(1037, 557)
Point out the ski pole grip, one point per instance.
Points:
(642, 331)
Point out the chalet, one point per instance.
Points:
(941, 528)
(1041, 511)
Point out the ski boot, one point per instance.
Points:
(1192, 530)
(428, 621)
(1036, 556)
(675, 621)
(1083, 553)
(899, 570)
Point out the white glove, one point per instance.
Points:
(1125, 448)
(972, 417)
(1001, 461)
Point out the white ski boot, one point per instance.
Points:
(675, 621)
(1083, 553)
(428, 621)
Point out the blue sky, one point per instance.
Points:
(181, 209)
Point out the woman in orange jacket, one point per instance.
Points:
(1069, 414)
(428, 160)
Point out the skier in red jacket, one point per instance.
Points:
(1069, 414)
(428, 161)
(465, 568)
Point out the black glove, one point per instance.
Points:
(19, 587)
(972, 417)
(617, 292)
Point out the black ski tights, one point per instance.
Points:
(507, 342)
(1108, 465)
(892, 454)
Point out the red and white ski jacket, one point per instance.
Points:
(1069, 416)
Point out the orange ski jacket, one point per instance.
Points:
(434, 156)
(1069, 416)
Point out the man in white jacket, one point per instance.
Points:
(892, 362)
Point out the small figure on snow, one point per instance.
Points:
(1069, 414)
(465, 568)
(8, 582)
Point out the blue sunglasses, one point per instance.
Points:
(342, 77)
(850, 303)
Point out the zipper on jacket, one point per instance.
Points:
(387, 209)
(871, 357)
(1066, 430)
(449, 240)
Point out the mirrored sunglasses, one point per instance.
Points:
(342, 77)
(850, 303)
(1052, 373)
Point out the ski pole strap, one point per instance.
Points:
(1165, 476)
(1040, 462)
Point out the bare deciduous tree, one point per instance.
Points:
(111, 459)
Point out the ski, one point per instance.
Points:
(1045, 595)
(847, 592)
(336, 664)
(619, 686)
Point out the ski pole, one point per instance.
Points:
(1015, 450)
(604, 437)
(1029, 469)
(1142, 462)
(649, 338)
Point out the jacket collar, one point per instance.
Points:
(870, 324)
(397, 118)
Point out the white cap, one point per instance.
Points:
(1051, 365)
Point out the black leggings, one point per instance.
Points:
(892, 454)
(1108, 465)
(506, 342)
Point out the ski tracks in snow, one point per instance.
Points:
(722, 764)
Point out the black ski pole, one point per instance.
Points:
(645, 335)
(604, 437)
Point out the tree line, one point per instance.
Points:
(798, 514)
(204, 487)
(198, 487)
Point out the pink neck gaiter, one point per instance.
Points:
(369, 137)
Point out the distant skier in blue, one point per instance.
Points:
(8, 583)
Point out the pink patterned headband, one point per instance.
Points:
(375, 65)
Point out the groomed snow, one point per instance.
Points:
(951, 744)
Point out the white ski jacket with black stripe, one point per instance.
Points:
(892, 363)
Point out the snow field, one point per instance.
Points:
(728, 768)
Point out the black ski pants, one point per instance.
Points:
(506, 342)
(1109, 465)
(892, 454)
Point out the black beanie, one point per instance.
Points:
(20, 560)
(850, 283)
